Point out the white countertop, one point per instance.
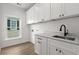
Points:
(49, 35)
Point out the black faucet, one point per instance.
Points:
(65, 33)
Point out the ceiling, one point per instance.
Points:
(25, 6)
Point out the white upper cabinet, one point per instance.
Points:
(71, 9)
(64, 9)
(56, 10)
(29, 16)
(32, 15)
(39, 12)
(44, 11)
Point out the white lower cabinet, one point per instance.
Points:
(58, 48)
(41, 45)
(54, 50)
(46, 46)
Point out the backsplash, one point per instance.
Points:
(72, 25)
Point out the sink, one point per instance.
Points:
(64, 37)
(56, 36)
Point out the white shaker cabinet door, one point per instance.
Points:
(32, 15)
(67, 52)
(29, 16)
(44, 46)
(37, 45)
(37, 48)
(56, 10)
(45, 11)
(53, 50)
(41, 45)
(71, 9)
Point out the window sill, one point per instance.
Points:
(13, 38)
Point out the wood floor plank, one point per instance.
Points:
(20, 49)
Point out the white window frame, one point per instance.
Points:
(5, 29)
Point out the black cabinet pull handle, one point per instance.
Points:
(56, 49)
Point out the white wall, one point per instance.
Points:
(54, 26)
(11, 10)
(0, 25)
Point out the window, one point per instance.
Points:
(13, 27)
(13, 24)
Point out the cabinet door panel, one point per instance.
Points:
(52, 50)
(37, 48)
(67, 52)
(41, 45)
(32, 15)
(71, 9)
(44, 46)
(37, 12)
(55, 10)
(45, 11)
(29, 16)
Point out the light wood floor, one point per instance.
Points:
(20, 49)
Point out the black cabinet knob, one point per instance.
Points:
(56, 49)
(60, 51)
(62, 14)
